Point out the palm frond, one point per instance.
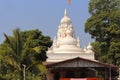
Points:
(16, 33)
(9, 42)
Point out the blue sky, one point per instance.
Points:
(44, 15)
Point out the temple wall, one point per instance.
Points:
(64, 56)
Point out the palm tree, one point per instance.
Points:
(20, 53)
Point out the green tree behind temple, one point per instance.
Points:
(24, 47)
(104, 26)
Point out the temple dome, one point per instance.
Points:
(68, 41)
(89, 47)
(65, 19)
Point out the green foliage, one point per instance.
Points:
(114, 53)
(24, 47)
(104, 26)
(101, 50)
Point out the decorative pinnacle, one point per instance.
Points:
(65, 12)
(78, 38)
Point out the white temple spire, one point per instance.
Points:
(54, 42)
(65, 12)
(78, 42)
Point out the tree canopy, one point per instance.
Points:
(104, 26)
(24, 48)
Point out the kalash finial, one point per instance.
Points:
(65, 13)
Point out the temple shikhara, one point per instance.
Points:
(65, 45)
(67, 60)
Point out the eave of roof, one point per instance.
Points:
(79, 58)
